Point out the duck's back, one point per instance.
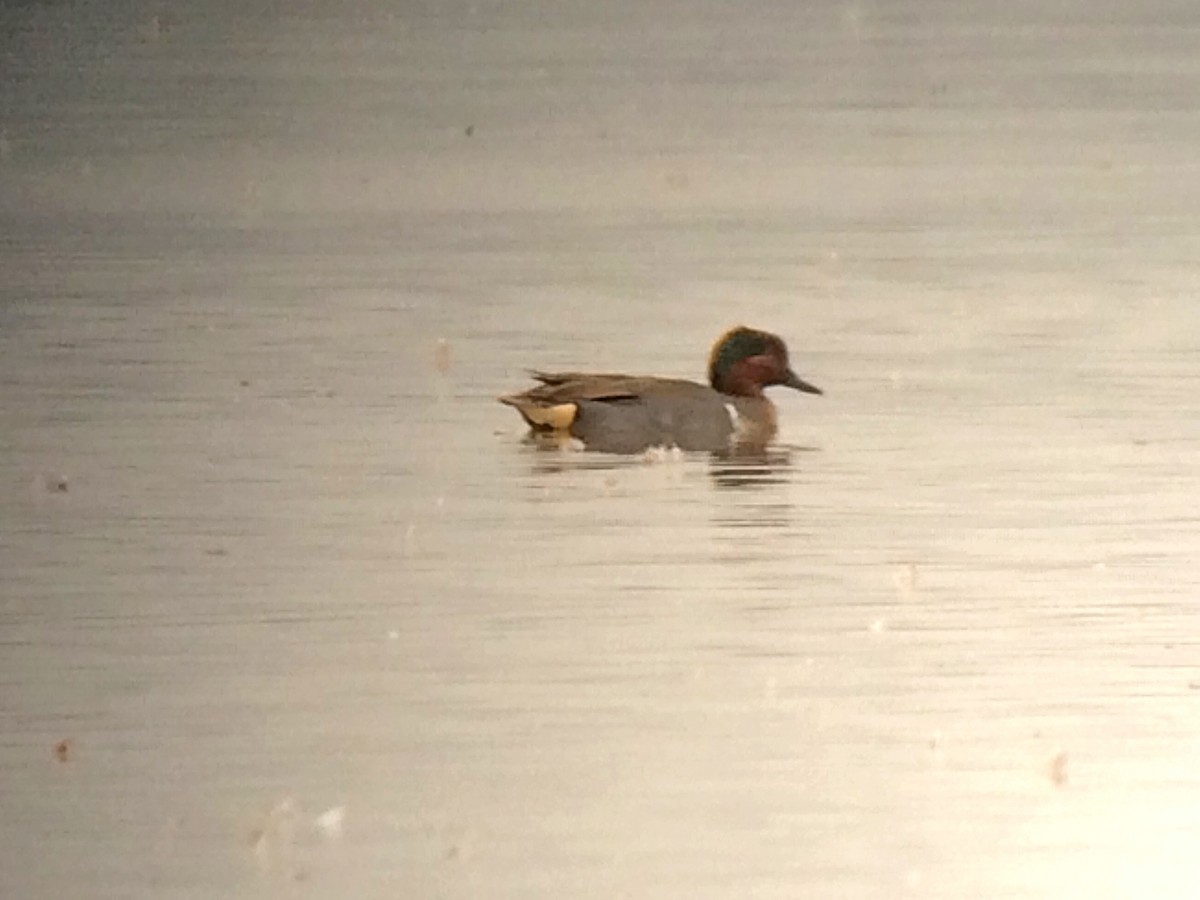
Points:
(626, 413)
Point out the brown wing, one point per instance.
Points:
(568, 387)
(554, 403)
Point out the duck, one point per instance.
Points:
(617, 413)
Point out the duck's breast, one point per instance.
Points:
(755, 422)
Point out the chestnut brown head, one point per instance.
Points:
(744, 361)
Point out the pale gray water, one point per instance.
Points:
(267, 552)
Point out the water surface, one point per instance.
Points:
(312, 620)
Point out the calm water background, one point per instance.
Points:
(314, 622)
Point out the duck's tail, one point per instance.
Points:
(542, 416)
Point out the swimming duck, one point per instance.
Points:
(614, 413)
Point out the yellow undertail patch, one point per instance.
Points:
(556, 418)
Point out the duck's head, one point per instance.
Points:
(744, 361)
